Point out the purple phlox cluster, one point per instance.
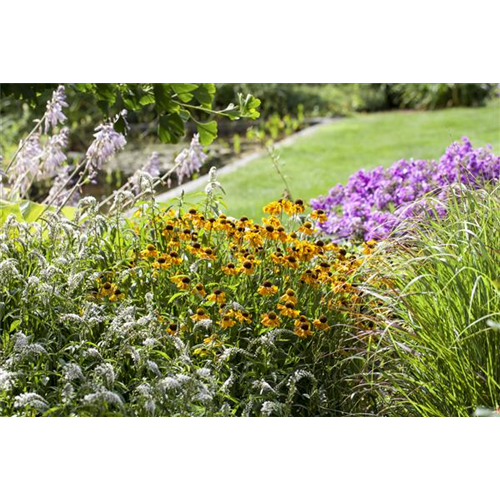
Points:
(374, 203)
(190, 160)
(53, 113)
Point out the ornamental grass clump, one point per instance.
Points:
(178, 311)
(375, 203)
(439, 354)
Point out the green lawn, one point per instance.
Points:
(315, 163)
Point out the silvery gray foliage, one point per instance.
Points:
(8, 270)
(270, 408)
(102, 395)
(72, 372)
(7, 380)
(262, 386)
(31, 399)
(106, 373)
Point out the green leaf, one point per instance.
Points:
(7, 208)
(14, 325)
(176, 296)
(207, 131)
(31, 210)
(163, 98)
(248, 106)
(170, 128)
(184, 90)
(204, 94)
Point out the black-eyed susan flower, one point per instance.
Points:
(306, 228)
(194, 249)
(294, 208)
(218, 296)
(301, 319)
(172, 329)
(289, 296)
(200, 315)
(248, 267)
(208, 253)
(185, 235)
(168, 230)
(243, 316)
(282, 236)
(199, 290)
(116, 295)
(309, 277)
(227, 321)
(149, 251)
(212, 340)
(270, 232)
(200, 352)
(319, 215)
(244, 222)
(107, 289)
(267, 288)
(277, 257)
(270, 320)
(182, 282)
(369, 246)
(288, 309)
(303, 330)
(290, 261)
(273, 208)
(161, 262)
(175, 258)
(321, 323)
(230, 269)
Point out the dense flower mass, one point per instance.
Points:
(374, 203)
(176, 312)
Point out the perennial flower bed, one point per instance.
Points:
(177, 311)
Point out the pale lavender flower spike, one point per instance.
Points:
(54, 114)
(107, 142)
(190, 160)
(53, 156)
(151, 168)
(26, 165)
(153, 165)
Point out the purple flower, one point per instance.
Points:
(143, 178)
(53, 113)
(374, 203)
(107, 142)
(190, 160)
(52, 155)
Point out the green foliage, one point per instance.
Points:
(173, 104)
(441, 95)
(28, 211)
